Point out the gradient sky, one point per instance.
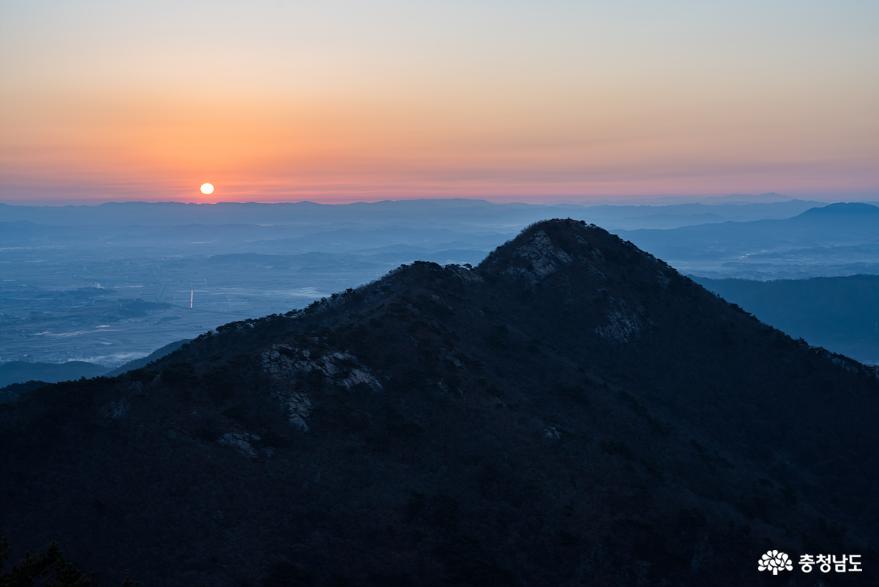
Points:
(336, 101)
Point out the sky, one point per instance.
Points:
(510, 100)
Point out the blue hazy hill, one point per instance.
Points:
(839, 313)
(838, 239)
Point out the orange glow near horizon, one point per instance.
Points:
(516, 102)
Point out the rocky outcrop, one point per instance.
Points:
(291, 370)
(622, 324)
(535, 258)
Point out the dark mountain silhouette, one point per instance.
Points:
(571, 411)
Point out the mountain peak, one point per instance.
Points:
(545, 248)
(539, 251)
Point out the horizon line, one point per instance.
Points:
(762, 197)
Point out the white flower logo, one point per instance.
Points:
(774, 561)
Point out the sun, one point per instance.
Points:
(207, 188)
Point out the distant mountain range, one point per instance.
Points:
(570, 411)
(838, 239)
(450, 213)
